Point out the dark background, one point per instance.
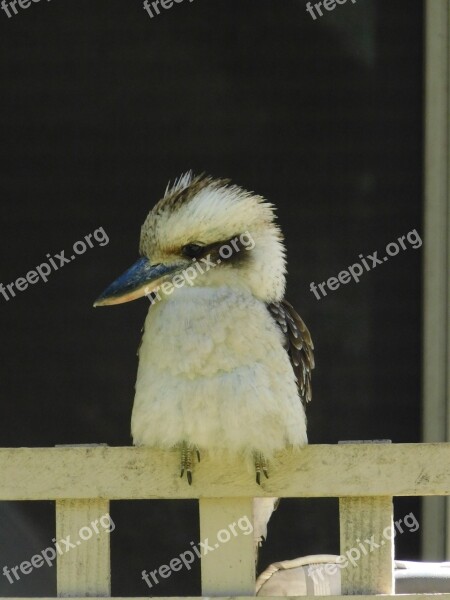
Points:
(100, 107)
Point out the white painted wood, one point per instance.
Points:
(366, 597)
(139, 473)
(230, 567)
(436, 391)
(85, 569)
(366, 541)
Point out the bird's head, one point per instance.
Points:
(205, 232)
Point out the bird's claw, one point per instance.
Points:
(186, 460)
(260, 466)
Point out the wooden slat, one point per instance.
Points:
(367, 597)
(227, 525)
(436, 249)
(367, 545)
(84, 569)
(139, 473)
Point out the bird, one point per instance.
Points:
(225, 361)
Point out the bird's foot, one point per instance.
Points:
(260, 466)
(187, 451)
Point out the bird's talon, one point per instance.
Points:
(260, 465)
(186, 460)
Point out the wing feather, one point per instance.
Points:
(298, 345)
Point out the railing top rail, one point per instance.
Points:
(119, 473)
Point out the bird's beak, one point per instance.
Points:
(138, 281)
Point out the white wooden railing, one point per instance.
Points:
(83, 480)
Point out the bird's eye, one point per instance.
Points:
(192, 250)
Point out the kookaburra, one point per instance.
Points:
(225, 362)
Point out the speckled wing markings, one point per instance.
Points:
(298, 344)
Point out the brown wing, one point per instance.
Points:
(298, 344)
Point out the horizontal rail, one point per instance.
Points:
(119, 473)
(383, 596)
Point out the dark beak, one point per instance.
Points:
(138, 281)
